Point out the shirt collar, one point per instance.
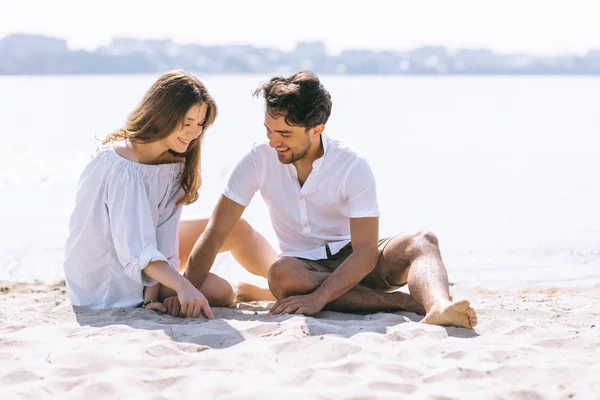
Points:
(325, 141)
(316, 166)
(317, 163)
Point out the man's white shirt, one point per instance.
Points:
(306, 219)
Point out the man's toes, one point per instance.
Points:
(472, 316)
(461, 306)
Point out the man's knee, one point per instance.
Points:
(427, 237)
(423, 242)
(402, 251)
(281, 278)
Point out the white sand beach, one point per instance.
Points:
(536, 343)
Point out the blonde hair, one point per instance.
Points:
(163, 107)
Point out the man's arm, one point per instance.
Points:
(364, 233)
(224, 217)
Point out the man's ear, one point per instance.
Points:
(318, 129)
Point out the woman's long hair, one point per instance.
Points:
(162, 109)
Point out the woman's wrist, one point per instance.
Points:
(180, 284)
(151, 292)
(149, 302)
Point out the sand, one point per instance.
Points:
(536, 343)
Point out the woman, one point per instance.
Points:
(123, 233)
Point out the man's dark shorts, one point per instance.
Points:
(374, 280)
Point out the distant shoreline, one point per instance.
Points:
(201, 73)
(22, 54)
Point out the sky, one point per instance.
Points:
(533, 26)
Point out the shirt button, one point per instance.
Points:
(301, 197)
(304, 225)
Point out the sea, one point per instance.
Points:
(505, 170)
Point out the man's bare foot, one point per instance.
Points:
(451, 313)
(249, 292)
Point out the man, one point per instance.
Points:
(322, 201)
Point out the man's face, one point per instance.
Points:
(291, 142)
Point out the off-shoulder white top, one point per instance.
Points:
(125, 217)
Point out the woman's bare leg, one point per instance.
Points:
(249, 248)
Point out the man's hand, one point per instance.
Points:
(308, 304)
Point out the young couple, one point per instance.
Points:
(127, 244)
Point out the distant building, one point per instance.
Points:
(21, 45)
(310, 50)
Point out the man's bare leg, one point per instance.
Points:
(290, 276)
(249, 248)
(415, 257)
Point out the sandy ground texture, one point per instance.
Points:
(536, 343)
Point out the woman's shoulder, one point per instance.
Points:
(122, 149)
(106, 165)
(122, 159)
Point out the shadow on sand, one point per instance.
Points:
(234, 325)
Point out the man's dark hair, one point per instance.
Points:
(300, 97)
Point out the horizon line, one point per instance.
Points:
(280, 48)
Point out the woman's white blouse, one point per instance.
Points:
(125, 217)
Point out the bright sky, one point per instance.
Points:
(538, 26)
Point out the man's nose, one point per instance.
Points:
(274, 140)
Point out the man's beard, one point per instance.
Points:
(296, 156)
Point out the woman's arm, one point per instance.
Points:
(193, 303)
(134, 237)
(151, 293)
(151, 299)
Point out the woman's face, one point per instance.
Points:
(193, 126)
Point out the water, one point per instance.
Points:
(504, 170)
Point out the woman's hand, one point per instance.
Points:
(193, 303)
(156, 306)
(173, 306)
